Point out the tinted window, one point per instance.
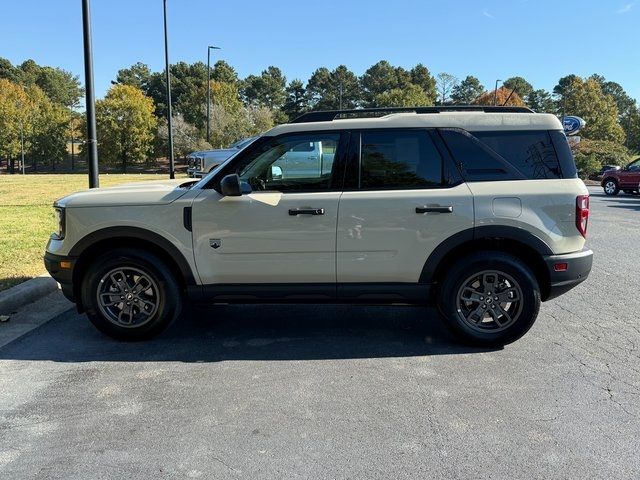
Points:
(531, 152)
(396, 159)
(294, 163)
(479, 163)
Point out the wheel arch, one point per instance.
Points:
(111, 238)
(515, 241)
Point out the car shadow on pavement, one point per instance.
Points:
(251, 332)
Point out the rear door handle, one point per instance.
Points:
(435, 209)
(306, 211)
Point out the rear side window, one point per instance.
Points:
(477, 162)
(399, 159)
(531, 152)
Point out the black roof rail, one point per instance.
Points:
(330, 115)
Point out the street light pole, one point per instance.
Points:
(22, 143)
(495, 93)
(172, 173)
(209, 48)
(92, 140)
(340, 96)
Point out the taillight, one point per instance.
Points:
(582, 214)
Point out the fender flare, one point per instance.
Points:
(139, 234)
(484, 232)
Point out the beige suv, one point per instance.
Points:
(476, 210)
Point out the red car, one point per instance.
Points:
(626, 179)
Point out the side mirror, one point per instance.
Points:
(230, 186)
(276, 172)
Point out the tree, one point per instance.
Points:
(329, 90)
(466, 91)
(421, 77)
(60, 86)
(411, 96)
(540, 101)
(295, 104)
(266, 90)
(186, 137)
(502, 96)
(15, 117)
(445, 82)
(377, 79)
(126, 126)
(631, 125)
(48, 135)
(137, 75)
(607, 152)
(520, 85)
(585, 99)
(223, 72)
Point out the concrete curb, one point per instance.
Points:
(30, 291)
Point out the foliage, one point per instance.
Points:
(421, 77)
(327, 90)
(137, 75)
(126, 126)
(186, 138)
(445, 83)
(15, 114)
(587, 165)
(540, 101)
(502, 96)
(585, 99)
(465, 92)
(606, 152)
(296, 102)
(266, 90)
(410, 96)
(519, 85)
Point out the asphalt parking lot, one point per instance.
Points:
(340, 391)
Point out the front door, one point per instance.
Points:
(630, 177)
(408, 199)
(284, 231)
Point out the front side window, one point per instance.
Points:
(293, 163)
(399, 159)
(634, 166)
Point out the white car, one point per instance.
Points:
(476, 210)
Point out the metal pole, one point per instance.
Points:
(90, 97)
(169, 120)
(340, 96)
(208, 94)
(495, 94)
(22, 143)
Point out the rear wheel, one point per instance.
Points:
(610, 187)
(489, 299)
(130, 294)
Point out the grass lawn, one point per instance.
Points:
(26, 217)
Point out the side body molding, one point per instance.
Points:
(139, 234)
(485, 232)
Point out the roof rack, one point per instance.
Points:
(330, 115)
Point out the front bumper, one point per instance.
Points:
(578, 266)
(194, 173)
(60, 267)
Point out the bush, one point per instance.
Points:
(587, 165)
(605, 152)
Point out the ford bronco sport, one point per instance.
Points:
(476, 210)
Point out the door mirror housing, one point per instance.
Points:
(230, 186)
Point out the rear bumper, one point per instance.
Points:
(578, 266)
(62, 275)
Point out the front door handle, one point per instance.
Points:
(306, 211)
(435, 209)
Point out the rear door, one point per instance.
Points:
(405, 198)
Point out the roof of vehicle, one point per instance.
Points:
(465, 118)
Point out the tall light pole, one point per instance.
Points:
(209, 48)
(495, 93)
(340, 96)
(172, 173)
(92, 139)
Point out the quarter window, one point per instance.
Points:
(399, 159)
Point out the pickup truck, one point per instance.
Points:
(202, 162)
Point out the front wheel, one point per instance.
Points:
(610, 187)
(130, 294)
(489, 299)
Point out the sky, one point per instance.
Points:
(541, 40)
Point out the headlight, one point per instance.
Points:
(59, 213)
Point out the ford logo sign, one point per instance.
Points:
(572, 125)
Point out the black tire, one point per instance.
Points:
(161, 300)
(610, 187)
(513, 279)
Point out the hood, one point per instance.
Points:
(159, 192)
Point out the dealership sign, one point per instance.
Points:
(572, 125)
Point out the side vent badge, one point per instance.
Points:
(215, 243)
